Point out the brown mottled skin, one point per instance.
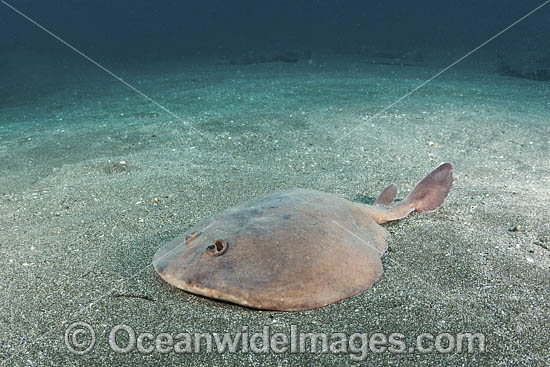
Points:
(295, 249)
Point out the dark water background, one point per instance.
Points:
(167, 30)
(131, 35)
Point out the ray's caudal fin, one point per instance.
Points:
(427, 196)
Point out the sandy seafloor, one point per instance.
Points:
(79, 228)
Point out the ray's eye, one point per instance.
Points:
(217, 248)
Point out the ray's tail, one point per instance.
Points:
(427, 195)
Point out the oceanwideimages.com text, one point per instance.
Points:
(80, 339)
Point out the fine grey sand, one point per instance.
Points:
(94, 179)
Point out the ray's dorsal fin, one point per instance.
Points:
(387, 196)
